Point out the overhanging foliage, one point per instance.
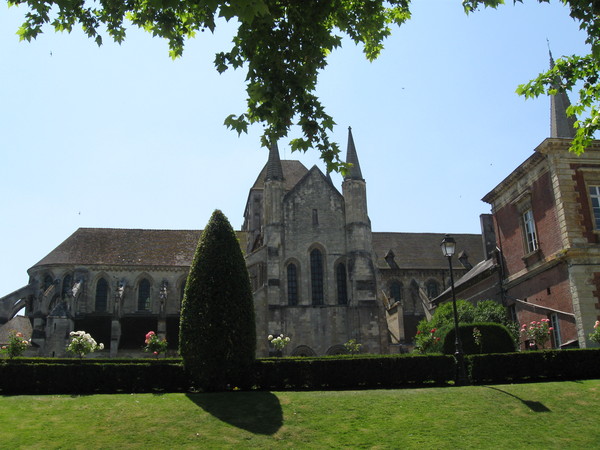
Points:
(284, 44)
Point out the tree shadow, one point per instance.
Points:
(257, 412)
(532, 405)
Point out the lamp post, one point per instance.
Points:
(448, 248)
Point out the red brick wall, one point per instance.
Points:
(596, 282)
(509, 225)
(550, 289)
(584, 206)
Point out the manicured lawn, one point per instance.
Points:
(542, 415)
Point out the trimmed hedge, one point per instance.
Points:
(353, 372)
(543, 365)
(30, 376)
(217, 334)
(495, 338)
(73, 376)
(92, 376)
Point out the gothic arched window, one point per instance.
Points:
(67, 286)
(292, 284)
(342, 288)
(48, 281)
(433, 289)
(144, 295)
(396, 292)
(316, 276)
(101, 295)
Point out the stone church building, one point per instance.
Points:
(319, 274)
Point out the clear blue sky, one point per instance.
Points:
(124, 137)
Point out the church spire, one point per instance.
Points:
(354, 173)
(561, 125)
(274, 169)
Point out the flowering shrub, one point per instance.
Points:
(155, 344)
(16, 345)
(352, 346)
(82, 343)
(595, 336)
(538, 333)
(279, 342)
(427, 342)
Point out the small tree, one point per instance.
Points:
(217, 338)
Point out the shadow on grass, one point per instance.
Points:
(532, 405)
(257, 412)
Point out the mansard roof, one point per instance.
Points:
(293, 171)
(128, 247)
(422, 250)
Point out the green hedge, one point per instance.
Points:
(72, 376)
(89, 376)
(495, 338)
(28, 376)
(354, 372)
(544, 365)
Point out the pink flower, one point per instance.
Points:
(524, 326)
(533, 322)
(551, 329)
(19, 334)
(597, 324)
(156, 353)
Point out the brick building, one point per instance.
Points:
(546, 220)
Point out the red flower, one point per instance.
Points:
(433, 330)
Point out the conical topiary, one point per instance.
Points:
(217, 336)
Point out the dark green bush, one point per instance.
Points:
(545, 365)
(495, 338)
(44, 376)
(355, 372)
(217, 338)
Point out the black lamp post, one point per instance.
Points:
(448, 248)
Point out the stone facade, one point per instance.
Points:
(318, 272)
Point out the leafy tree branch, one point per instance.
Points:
(283, 45)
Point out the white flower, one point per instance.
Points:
(270, 337)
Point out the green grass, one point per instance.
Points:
(542, 415)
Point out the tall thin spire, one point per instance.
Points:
(274, 169)
(351, 157)
(561, 125)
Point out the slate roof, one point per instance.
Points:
(128, 247)
(293, 171)
(488, 265)
(351, 157)
(422, 250)
(17, 323)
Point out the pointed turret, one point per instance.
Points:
(274, 169)
(351, 157)
(359, 247)
(561, 125)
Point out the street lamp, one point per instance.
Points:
(448, 248)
